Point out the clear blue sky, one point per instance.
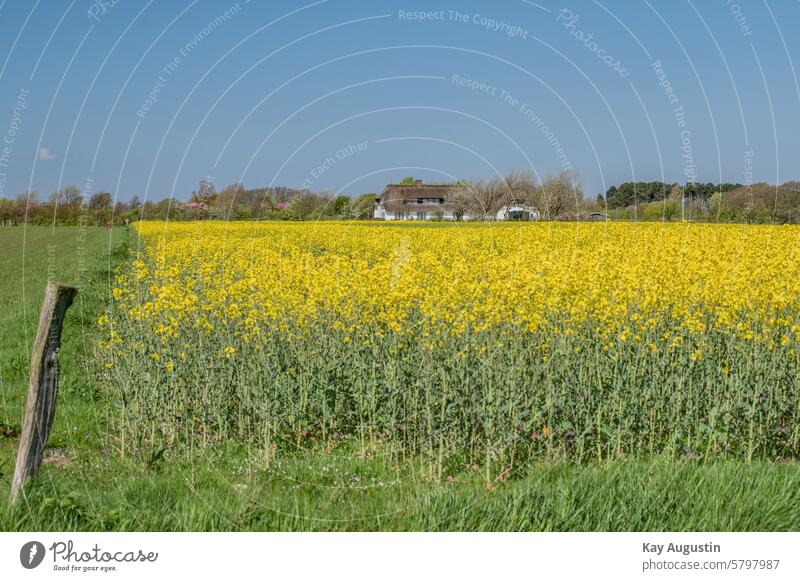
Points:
(284, 92)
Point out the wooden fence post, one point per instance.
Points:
(43, 385)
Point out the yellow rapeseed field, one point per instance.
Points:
(462, 340)
(622, 278)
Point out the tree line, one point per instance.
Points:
(553, 197)
(630, 193)
(70, 207)
(759, 203)
(556, 197)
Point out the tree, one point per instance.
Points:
(69, 196)
(26, 198)
(481, 200)
(408, 181)
(23, 203)
(309, 206)
(670, 210)
(100, 201)
(7, 211)
(464, 202)
(560, 192)
(363, 206)
(205, 192)
(228, 200)
(341, 206)
(715, 205)
(612, 197)
(521, 186)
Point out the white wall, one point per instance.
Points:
(411, 215)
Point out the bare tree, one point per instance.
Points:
(22, 202)
(521, 186)
(229, 198)
(560, 193)
(462, 200)
(484, 198)
(67, 196)
(517, 187)
(25, 199)
(101, 201)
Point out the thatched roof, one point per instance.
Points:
(402, 198)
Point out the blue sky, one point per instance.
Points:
(146, 99)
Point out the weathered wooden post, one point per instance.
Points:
(43, 385)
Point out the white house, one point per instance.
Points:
(428, 202)
(417, 202)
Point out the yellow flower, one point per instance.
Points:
(630, 282)
(229, 351)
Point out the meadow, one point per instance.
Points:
(329, 376)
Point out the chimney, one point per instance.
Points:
(418, 183)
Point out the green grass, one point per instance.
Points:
(87, 485)
(28, 257)
(313, 492)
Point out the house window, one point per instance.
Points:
(519, 215)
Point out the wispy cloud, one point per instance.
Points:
(46, 155)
